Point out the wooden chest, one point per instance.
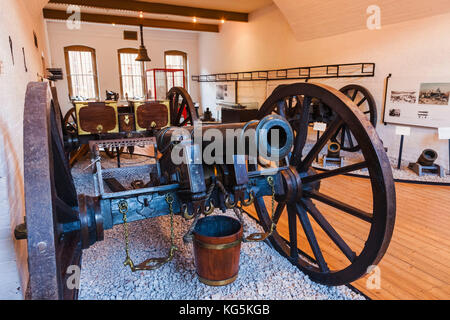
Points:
(151, 115)
(97, 117)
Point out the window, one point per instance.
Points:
(81, 70)
(176, 60)
(131, 74)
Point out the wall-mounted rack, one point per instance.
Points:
(347, 70)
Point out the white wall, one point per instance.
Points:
(106, 40)
(18, 19)
(413, 49)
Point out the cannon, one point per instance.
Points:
(426, 164)
(61, 223)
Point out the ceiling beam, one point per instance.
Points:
(132, 21)
(159, 8)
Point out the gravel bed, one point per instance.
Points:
(264, 274)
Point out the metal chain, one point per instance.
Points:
(257, 237)
(271, 182)
(153, 263)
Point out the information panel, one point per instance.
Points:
(418, 102)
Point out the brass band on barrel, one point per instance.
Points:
(217, 283)
(221, 246)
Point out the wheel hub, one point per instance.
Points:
(292, 185)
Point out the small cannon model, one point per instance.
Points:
(184, 181)
(425, 164)
(333, 155)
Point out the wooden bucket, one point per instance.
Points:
(217, 247)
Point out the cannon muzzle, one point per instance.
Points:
(428, 157)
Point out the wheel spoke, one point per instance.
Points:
(292, 219)
(307, 228)
(282, 107)
(329, 230)
(180, 112)
(350, 139)
(298, 105)
(335, 172)
(302, 133)
(355, 93)
(339, 205)
(278, 212)
(64, 211)
(184, 121)
(315, 150)
(362, 101)
(344, 129)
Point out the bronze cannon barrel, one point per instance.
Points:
(272, 137)
(428, 157)
(334, 150)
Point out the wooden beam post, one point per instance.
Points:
(132, 21)
(159, 8)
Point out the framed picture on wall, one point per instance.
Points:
(418, 102)
(225, 92)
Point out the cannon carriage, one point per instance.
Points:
(61, 223)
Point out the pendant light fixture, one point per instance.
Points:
(142, 51)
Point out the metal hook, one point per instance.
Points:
(228, 203)
(186, 214)
(251, 199)
(210, 209)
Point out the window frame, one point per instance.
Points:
(80, 48)
(144, 84)
(185, 62)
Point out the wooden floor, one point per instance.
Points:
(417, 263)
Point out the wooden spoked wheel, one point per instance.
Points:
(344, 237)
(49, 198)
(70, 122)
(70, 129)
(51, 201)
(366, 103)
(182, 109)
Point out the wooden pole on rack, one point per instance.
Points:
(400, 152)
(386, 87)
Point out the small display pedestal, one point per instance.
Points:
(420, 170)
(331, 160)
